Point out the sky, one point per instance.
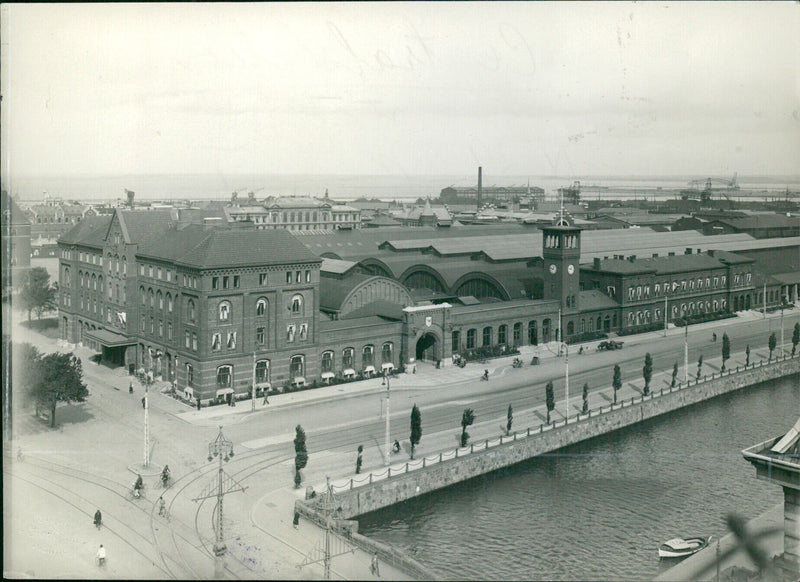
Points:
(397, 88)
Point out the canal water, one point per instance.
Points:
(599, 509)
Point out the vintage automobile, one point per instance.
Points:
(609, 345)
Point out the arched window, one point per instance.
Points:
(66, 276)
(297, 367)
(160, 300)
(583, 325)
(124, 267)
(517, 334)
(471, 334)
(261, 306)
(386, 353)
(80, 279)
(502, 334)
(570, 328)
(348, 358)
(151, 295)
(297, 305)
(224, 310)
(631, 318)
(224, 376)
(487, 336)
(533, 336)
(262, 371)
(367, 356)
(546, 330)
(327, 363)
(192, 312)
(169, 303)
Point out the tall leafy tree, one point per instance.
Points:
(726, 349)
(773, 341)
(37, 293)
(674, 374)
(54, 378)
(747, 356)
(585, 399)
(616, 383)
(509, 419)
(467, 418)
(550, 399)
(699, 365)
(300, 454)
(647, 372)
(416, 428)
(795, 337)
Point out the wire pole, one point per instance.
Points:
(666, 311)
(686, 353)
(146, 462)
(388, 446)
(566, 384)
(253, 388)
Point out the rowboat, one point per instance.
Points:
(682, 547)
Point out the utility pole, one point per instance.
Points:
(146, 462)
(686, 353)
(253, 387)
(764, 308)
(223, 449)
(781, 325)
(566, 384)
(666, 308)
(388, 446)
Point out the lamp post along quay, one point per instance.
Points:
(222, 449)
(686, 353)
(385, 382)
(566, 382)
(146, 460)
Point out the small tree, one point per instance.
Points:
(509, 419)
(300, 454)
(359, 459)
(416, 428)
(647, 372)
(550, 399)
(726, 349)
(795, 337)
(773, 341)
(467, 418)
(699, 365)
(36, 292)
(674, 374)
(747, 356)
(585, 399)
(617, 381)
(54, 378)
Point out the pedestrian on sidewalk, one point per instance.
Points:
(374, 568)
(296, 520)
(143, 401)
(101, 556)
(130, 388)
(266, 398)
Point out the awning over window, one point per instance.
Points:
(326, 375)
(224, 391)
(108, 338)
(387, 366)
(299, 380)
(349, 372)
(369, 369)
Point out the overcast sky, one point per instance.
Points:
(402, 88)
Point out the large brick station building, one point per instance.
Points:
(214, 307)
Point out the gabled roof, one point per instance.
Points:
(205, 247)
(15, 212)
(138, 226)
(91, 231)
(761, 221)
(594, 299)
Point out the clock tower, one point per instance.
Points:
(561, 251)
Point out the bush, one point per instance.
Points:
(703, 317)
(641, 328)
(485, 352)
(587, 336)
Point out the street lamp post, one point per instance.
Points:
(385, 382)
(686, 352)
(666, 311)
(566, 382)
(781, 299)
(146, 462)
(253, 387)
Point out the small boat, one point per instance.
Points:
(682, 547)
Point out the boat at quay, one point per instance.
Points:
(600, 508)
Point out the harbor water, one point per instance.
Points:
(599, 509)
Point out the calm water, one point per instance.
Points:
(598, 510)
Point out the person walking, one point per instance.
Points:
(266, 398)
(374, 568)
(98, 519)
(130, 388)
(296, 520)
(162, 507)
(101, 556)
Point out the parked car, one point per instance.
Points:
(609, 345)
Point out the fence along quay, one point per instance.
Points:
(376, 490)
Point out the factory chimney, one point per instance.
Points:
(130, 194)
(480, 187)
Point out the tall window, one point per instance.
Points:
(386, 353)
(517, 334)
(327, 362)
(169, 303)
(231, 343)
(533, 338)
(487, 336)
(296, 367)
(502, 334)
(191, 310)
(160, 300)
(471, 334)
(290, 331)
(224, 311)
(261, 335)
(348, 357)
(303, 331)
(224, 374)
(455, 340)
(367, 356)
(216, 342)
(262, 371)
(261, 306)
(189, 375)
(297, 305)
(546, 330)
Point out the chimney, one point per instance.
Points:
(480, 186)
(688, 251)
(597, 263)
(130, 194)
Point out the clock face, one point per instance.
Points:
(553, 269)
(571, 269)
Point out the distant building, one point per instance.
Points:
(54, 217)
(506, 194)
(16, 237)
(758, 226)
(426, 215)
(295, 213)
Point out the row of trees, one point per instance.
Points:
(468, 415)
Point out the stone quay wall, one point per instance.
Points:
(376, 491)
